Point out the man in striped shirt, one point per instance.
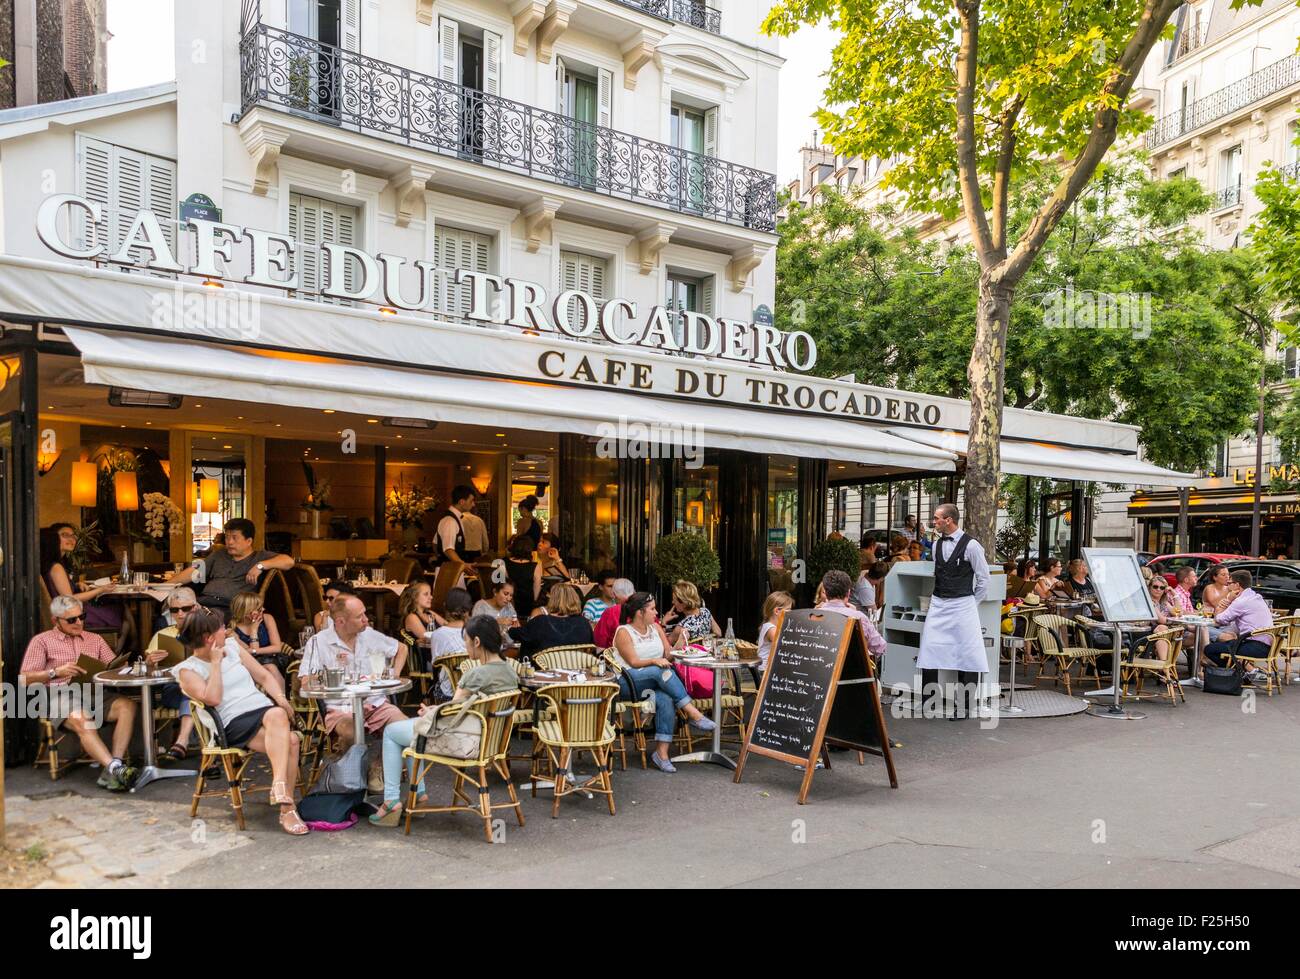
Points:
(51, 659)
(602, 599)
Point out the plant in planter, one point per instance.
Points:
(317, 499)
(405, 508)
(160, 513)
(833, 554)
(684, 556)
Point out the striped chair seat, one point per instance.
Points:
(550, 732)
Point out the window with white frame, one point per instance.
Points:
(687, 292)
(584, 95)
(585, 273)
(1230, 176)
(470, 57)
(1287, 357)
(454, 248)
(314, 221)
(124, 181)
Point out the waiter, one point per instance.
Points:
(953, 638)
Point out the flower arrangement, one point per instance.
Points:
(318, 493)
(160, 513)
(406, 508)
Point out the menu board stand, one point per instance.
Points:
(819, 689)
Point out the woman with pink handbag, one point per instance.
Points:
(642, 650)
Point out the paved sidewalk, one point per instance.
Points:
(1204, 794)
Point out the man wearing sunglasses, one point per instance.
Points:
(51, 659)
(179, 606)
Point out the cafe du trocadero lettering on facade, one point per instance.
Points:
(394, 283)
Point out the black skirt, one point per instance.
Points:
(241, 730)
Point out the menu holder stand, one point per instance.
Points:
(819, 689)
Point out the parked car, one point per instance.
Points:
(1167, 564)
(1144, 558)
(1277, 581)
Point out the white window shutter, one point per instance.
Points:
(596, 284)
(491, 63)
(129, 193)
(94, 182)
(161, 185)
(456, 249)
(604, 97)
(448, 50)
(711, 132)
(561, 95)
(351, 28)
(706, 295)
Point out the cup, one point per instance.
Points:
(378, 576)
(333, 679)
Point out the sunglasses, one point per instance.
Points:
(183, 608)
(75, 618)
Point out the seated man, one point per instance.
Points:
(603, 631)
(602, 597)
(180, 604)
(351, 636)
(51, 659)
(836, 586)
(232, 569)
(1245, 615)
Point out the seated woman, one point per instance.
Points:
(255, 629)
(448, 638)
(499, 605)
(332, 591)
(1048, 578)
(224, 677)
(551, 569)
(415, 611)
(521, 569)
(642, 649)
(689, 619)
(1076, 585)
(490, 674)
(562, 625)
(57, 545)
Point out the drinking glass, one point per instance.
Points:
(389, 657)
(362, 579)
(376, 664)
(378, 576)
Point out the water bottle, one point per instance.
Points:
(729, 641)
(125, 577)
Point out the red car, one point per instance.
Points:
(1168, 564)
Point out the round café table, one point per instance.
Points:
(359, 693)
(144, 684)
(715, 756)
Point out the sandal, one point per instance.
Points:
(388, 814)
(178, 752)
(281, 797)
(292, 823)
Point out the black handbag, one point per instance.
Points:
(1223, 679)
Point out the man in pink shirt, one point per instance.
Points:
(836, 585)
(1245, 615)
(603, 632)
(51, 660)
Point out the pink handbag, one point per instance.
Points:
(698, 680)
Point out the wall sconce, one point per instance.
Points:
(85, 484)
(481, 483)
(606, 511)
(126, 491)
(695, 513)
(45, 461)
(209, 496)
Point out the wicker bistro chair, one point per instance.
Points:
(1290, 648)
(581, 723)
(497, 715)
(48, 753)
(624, 710)
(1149, 662)
(311, 727)
(234, 763)
(418, 668)
(579, 657)
(1272, 662)
(455, 664)
(1059, 642)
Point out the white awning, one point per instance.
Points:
(308, 381)
(1058, 461)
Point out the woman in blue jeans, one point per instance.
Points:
(642, 650)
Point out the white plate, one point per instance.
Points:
(385, 683)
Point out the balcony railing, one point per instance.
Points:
(1291, 170)
(1226, 101)
(1191, 37)
(690, 12)
(1227, 197)
(344, 88)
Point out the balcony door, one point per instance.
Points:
(584, 98)
(469, 60)
(316, 68)
(694, 133)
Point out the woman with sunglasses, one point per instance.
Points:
(58, 545)
(180, 603)
(225, 677)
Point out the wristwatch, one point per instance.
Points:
(54, 674)
(260, 567)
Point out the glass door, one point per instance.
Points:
(579, 101)
(687, 134)
(313, 62)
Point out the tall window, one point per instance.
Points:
(687, 292)
(470, 57)
(456, 249)
(124, 181)
(585, 96)
(313, 72)
(695, 132)
(585, 273)
(1230, 177)
(314, 221)
(1290, 363)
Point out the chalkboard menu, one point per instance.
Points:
(819, 688)
(800, 671)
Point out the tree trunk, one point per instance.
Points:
(986, 374)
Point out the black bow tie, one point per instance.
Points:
(945, 538)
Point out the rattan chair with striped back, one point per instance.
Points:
(580, 723)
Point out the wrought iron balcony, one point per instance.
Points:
(692, 12)
(347, 89)
(1227, 197)
(1190, 37)
(1226, 101)
(1291, 170)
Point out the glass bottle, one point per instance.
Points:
(125, 575)
(729, 641)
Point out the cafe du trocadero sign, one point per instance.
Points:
(395, 283)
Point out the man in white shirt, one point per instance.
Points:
(952, 638)
(451, 528)
(350, 636)
(476, 535)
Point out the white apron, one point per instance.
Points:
(952, 638)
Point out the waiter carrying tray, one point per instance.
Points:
(953, 638)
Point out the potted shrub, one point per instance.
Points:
(685, 556)
(831, 554)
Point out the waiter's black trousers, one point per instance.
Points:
(967, 681)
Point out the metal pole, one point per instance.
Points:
(1029, 515)
(1259, 453)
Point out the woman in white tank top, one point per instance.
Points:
(642, 649)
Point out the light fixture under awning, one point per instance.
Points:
(244, 374)
(1058, 461)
